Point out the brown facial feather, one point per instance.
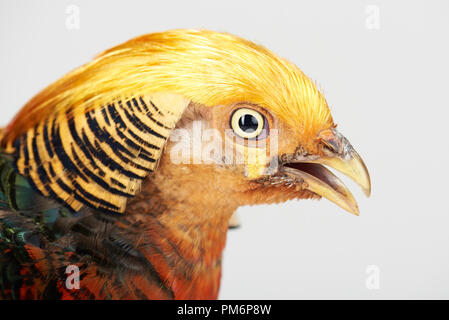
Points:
(225, 184)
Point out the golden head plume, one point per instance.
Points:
(206, 67)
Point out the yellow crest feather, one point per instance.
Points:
(206, 67)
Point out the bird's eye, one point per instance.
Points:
(248, 123)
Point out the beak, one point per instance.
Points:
(337, 154)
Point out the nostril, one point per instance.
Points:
(331, 145)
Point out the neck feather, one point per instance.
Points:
(187, 231)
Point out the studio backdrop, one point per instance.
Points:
(383, 67)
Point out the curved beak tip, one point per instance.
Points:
(342, 157)
(356, 211)
(367, 191)
(362, 177)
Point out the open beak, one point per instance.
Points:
(315, 177)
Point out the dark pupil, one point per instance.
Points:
(248, 123)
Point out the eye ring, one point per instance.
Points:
(248, 123)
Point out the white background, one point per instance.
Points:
(387, 89)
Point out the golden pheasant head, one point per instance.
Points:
(203, 104)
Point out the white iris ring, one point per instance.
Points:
(236, 126)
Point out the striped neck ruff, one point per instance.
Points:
(98, 158)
